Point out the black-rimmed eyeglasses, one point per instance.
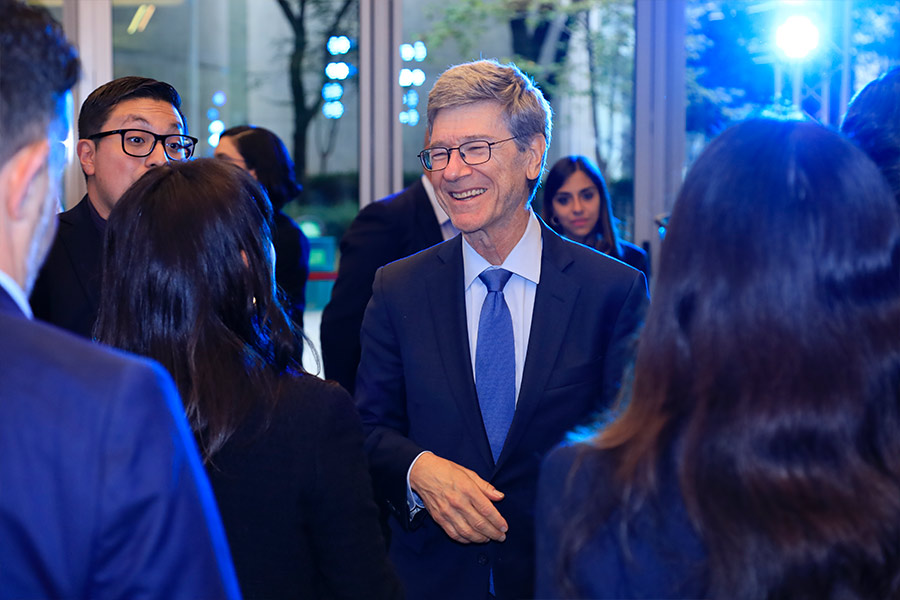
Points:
(472, 153)
(140, 143)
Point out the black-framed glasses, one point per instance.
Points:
(472, 153)
(140, 143)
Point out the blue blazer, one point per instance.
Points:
(102, 494)
(655, 553)
(416, 391)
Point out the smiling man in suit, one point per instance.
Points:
(480, 353)
(102, 494)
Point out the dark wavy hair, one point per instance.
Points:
(770, 366)
(873, 123)
(188, 281)
(604, 232)
(39, 67)
(265, 153)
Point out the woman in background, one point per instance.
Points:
(262, 154)
(759, 453)
(188, 281)
(577, 205)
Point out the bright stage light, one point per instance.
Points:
(797, 36)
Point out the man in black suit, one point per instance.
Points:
(102, 494)
(480, 353)
(125, 127)
(384, 231)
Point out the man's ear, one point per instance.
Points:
(19, 173)
(86, 150)
(535, 152)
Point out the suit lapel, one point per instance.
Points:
(84, 244)
(553, 304)
(448, 305)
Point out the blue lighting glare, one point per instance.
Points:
(332, 91)
(411, 98)
(219, 98)
(338, 44)
(212, 114)
(407, 52)
(337, 70)
(411, 77)
(797, 36)
(216, 126)
(410, 117)
(420, 52)
(333, 110)
(213, 140)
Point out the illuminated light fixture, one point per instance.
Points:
(141, 18)
(419, 51)
(797, 36)
(213, 139)
(418, 77)
(332, 91)
(411, 98)
(409, 117)
(337, 70)
(216, 126)
(333, 110)
(219, 98)
(338, 44)
(407, 52)
(212, 114)
(406, 78)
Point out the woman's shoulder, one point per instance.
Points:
(571, 471)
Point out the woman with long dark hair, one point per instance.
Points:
(262, 154)
(188, 281)
(758, 455)
(577, 206)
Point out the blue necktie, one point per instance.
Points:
(495, 361)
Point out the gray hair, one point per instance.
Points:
(526, 112)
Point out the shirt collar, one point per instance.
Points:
(442, 216)
(16, 293)
(524, 260)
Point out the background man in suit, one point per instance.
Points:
(478, 354)
(103, 495)
(384, 231)
(125, 127)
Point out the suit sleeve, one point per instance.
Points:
(373, 240)
(381, 401)
(346, 530)
(620, 353)
(160, 535)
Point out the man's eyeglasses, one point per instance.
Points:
(140, 143)
(472, 153)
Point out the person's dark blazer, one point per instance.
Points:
(67, 290)
(416, 391)
(384, 231)
(102, 494)
(291, 264)
(661, 557)
(636, 257)
(296, 500)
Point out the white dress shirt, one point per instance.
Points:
(17, 293)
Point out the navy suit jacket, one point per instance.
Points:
(657, 555)
(416, 391)
(382, 232)
(102, 494)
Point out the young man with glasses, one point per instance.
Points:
(480, 353)
(125, 128)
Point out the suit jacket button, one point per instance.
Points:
(483, 559)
